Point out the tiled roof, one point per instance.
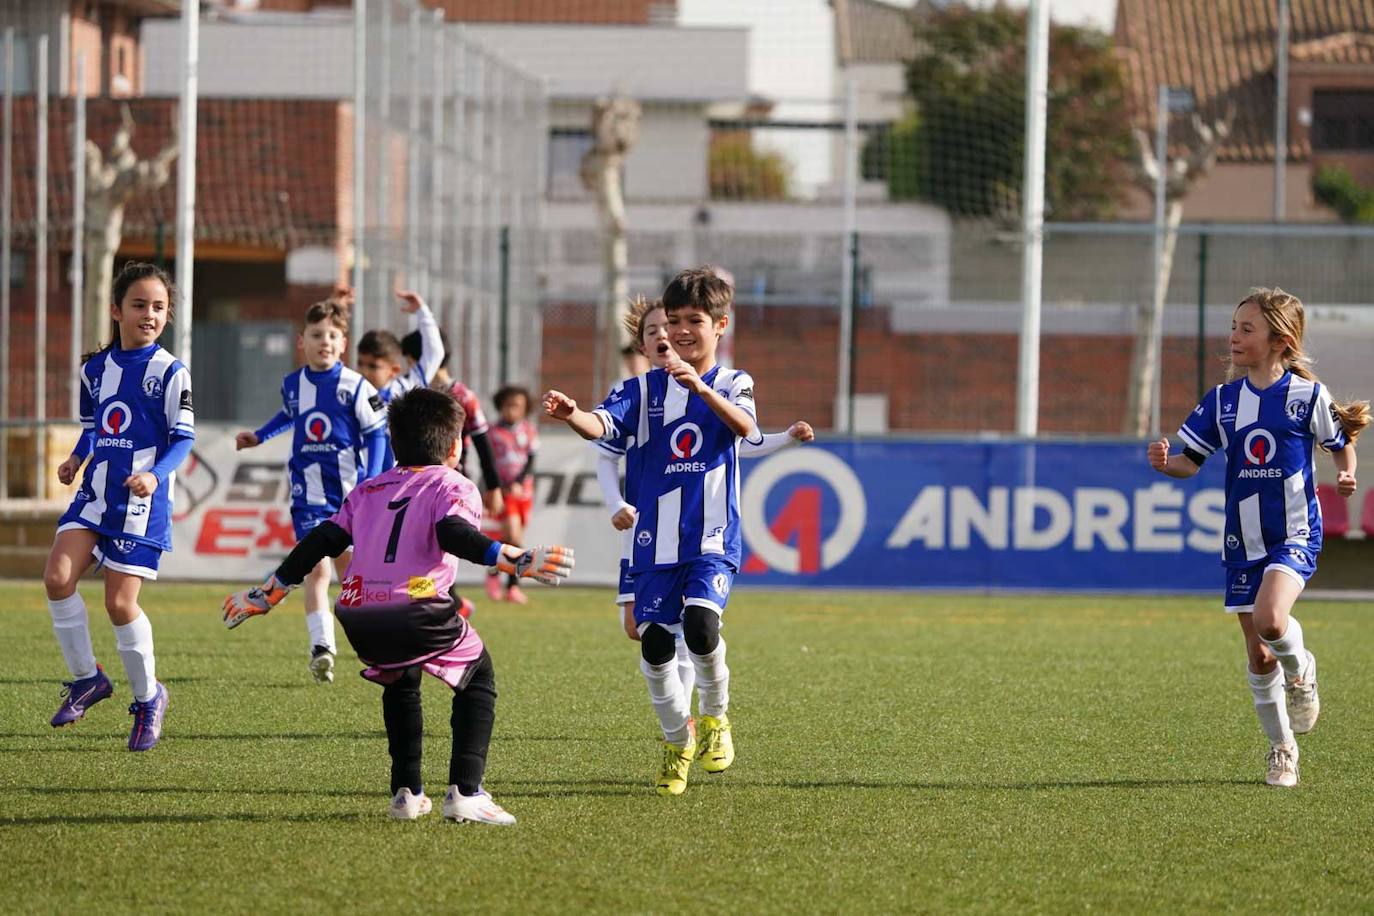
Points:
(873, 32)
(586, 12)
(267, 171)
(1224, 50)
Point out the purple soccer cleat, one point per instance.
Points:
(80, 695)
(148, 721)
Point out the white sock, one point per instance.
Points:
(321, 627)
(686, 671)
(665, 692)
(1271, 706)
(1289, 650)
(713, 681)
(73, 631)
(134, 640)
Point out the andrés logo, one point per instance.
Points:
(684, 442)
(1259, 447)
(800, 517)
(317, 426)
(115, 421)
(116, 418)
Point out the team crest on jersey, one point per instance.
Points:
(116, 419)
(1232, 542)
(686, 441)
(317, 426)
(1296, 410)
(345, 396)
(1259, 446)
(644, 538)
(152, 387)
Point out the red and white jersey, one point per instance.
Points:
(476, 422)
(512, 447)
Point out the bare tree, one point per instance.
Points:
(111, 180)
(1179, 178)
(615, 129)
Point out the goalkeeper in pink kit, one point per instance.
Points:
(408, 528)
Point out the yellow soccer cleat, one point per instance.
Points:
(672, 772)
(715, 747)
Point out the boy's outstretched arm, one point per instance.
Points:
(280, 422)
(1178, 466)
(325, 540)
(795, 434)
(561, 407)
(549, 565)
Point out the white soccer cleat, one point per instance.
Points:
(322, 665)
(1303, 703)
(406, 806)
(1282, 766)
(479, 809)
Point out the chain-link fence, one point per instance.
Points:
(453, 188)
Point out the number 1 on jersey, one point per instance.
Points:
(399, 507)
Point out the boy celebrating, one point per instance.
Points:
(382, 359)
(687, 418)
(339, 428)
(409, 527)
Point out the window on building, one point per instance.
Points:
(1343, 120)
(567, 146)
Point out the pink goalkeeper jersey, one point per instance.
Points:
(396, 555)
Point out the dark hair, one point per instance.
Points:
(131, 273)
(699, 288)
(382, 345)
(506, 392)
(335, 311)
(424, 424)
(411, 346)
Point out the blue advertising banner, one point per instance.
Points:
(1017, 515)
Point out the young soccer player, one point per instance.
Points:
(339, 427)
(408, 529)
(686, 418)
(137, 428)
(514, 442)
(1266, 419)
(382, 359)
(647, 325)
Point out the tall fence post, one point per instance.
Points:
(6, 237)
(1201, 314)
(78, 271)
(40, 331)
(504, 260)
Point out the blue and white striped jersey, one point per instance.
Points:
(1269, 438)
(133, 402)
(686, 476)
(331, 412)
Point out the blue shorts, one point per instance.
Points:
(626, 591)
(305, 518)
(661, 594)
(1243, 582)
(122, 554)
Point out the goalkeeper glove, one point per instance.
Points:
(259, 599)
(549, 565)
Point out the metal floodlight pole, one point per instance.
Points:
(359, 159)
(186, 176)
(1281, 112)
(440, 151)
(383, 243)
(1155, 353)
(844, 393)
(40, 364)
(414, 279)
(78, 271)
(6, 243)
(1033, 219)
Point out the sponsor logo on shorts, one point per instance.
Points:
(124, 545)
(720, 583)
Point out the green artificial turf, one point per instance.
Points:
(896, 751)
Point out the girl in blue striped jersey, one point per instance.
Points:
(1267, 419)
(138, 426)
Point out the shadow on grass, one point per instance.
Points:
(186, 790)
(517, 787)
(95, 820)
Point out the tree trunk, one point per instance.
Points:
(1147, 349)
(101, 242)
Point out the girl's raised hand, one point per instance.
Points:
(410, 301)
(801, 431)
(1345, 483)
(1159, 454)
